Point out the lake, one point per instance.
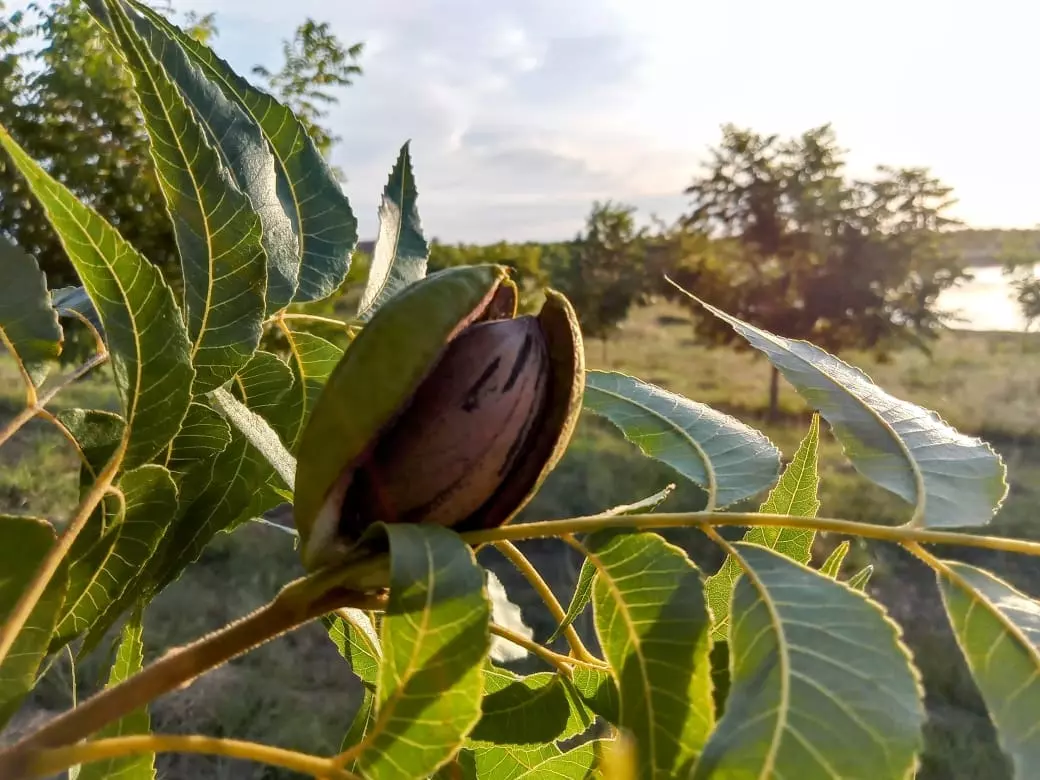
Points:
(987, 302)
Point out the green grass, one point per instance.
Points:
(296, 692)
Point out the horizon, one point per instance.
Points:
(520, 115)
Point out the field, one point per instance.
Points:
(296, 692)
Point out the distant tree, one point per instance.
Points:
(1020, 257)
(801, 249)
(524, 259)
(602, 270)
(315, 63)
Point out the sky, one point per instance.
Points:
(520, 114)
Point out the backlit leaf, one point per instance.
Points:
(245, 153)
(258, 433)
(24, 541)
(311, 359)
(105, 561)
(265, 385)
(832, 566)
(998, 630)
(951, 479)
(28, 323)
(654, 629)
(728, 459)
(204, 434)
(307, 187)
(217, 232)
(859, 580)
(400, 253)
(149, 345)
(357, 641)
(598, 690)
(435, 637)
(141, 766)
(822, 688)
(96, 435)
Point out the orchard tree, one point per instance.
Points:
(1020, 257)
(602, 270)
(801, 249)
(315, 64)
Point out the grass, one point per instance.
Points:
(296, 692)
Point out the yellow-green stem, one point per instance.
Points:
(31, 410)
(560, 662)
(896, 534)
(50, 761)
(290, 315)
(23, 609)
(524, 566)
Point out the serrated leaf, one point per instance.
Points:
(105, 561)
(859, 580)
(547, 761)
(728, 459)
(435, 637)
(203, 435)
(598, 690)
(583, 588)
(310, 194)
(832, 566)
(950, 479)
(24, 541)
(70, 301)
(400, 255)
(264, 385)
(129, 660)
(822, 687)
(654, 629)
(258, 433)
(217, 232)
(531, 710)
(796, 493)
(311, 359)
(149, 346)
(245, 153)
(998, 630)
(28, 323)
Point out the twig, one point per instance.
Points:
(524, 566)
(50, 761)
(561, 662)
(898, 534)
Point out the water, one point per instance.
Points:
(987, 302)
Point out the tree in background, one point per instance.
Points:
(799, 248)
(602, 271)
(315, 63)
(1020, 257)
(525, 260)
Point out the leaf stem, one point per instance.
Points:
(298, 602)
(290, 315)
(898, 534)
(29, 412)
(23, 609)
(51, 761)
(526, 568)
(561, 662)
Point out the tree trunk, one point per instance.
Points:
(774, 393)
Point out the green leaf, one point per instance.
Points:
(150, 348)
(70, 301)
(598, 690)
(357, 641)
(361, 723)
(244, 151)
(795, 494)
(583, 588)
(654, 628)
(261, 435)
(264, 385)
(951, 479)
(28, 323)
(727, 458)
(435, 637)
(96, 435)
(24, 541)
(307, 187)
(832, 566)
(311, 359)
(203, 435)
(822, 687)
(217, 232)
(859, 580)
(530, 710)
(400, 254)
(998, 630)
(105, 561)
(129, 660)
(512, 763)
